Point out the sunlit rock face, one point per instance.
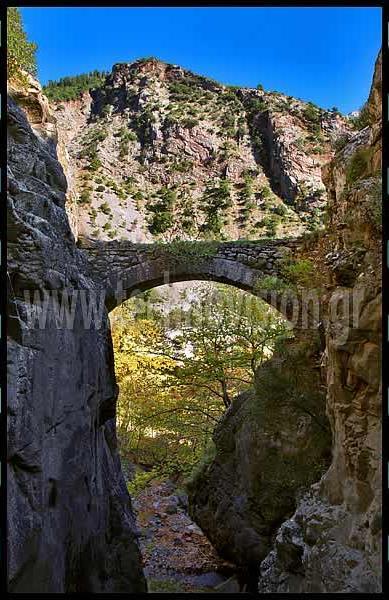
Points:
(159, 126)
(70, 524)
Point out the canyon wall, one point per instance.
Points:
(270, 444)
(332, 543)
(70, 524)
(331, 540)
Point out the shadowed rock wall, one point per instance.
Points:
(70, 524)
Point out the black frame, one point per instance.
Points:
(384, 5)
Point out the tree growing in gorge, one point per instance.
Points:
(178, 370)
(21, 54)
(230, 334)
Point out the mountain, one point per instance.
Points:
(158, 152)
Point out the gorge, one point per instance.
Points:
(158, 169)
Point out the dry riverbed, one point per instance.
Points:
(177, 556)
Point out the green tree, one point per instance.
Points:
(160, 217)
(20, 52)
(363, 119)
(179, 370)
(215, 202)
(229, 335)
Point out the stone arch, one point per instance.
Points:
(123, 268)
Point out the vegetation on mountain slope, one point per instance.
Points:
(179, 156)
(70, 88)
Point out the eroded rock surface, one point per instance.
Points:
(268, 446)
(154, 126)
(333, 541)
(71, 527)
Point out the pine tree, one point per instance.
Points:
(21, 54)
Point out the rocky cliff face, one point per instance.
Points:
(270, 444)
(159, 152)
(70, 525)
(333, 541)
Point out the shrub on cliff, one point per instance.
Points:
(341, 142)
(363, 119)
(160, 217)
(21, 54)
(271, 223)
(215, 202)
(85, 196)
(300, 272)
(375, 205)
(358, 166)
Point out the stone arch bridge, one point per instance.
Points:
(124, 268)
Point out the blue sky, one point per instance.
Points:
(325, 55)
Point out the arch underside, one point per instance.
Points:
(135, 280)
(146, 276)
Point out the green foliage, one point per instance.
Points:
(281, 210)
(182, 166)
(106, 110)
(142, 125)
(358, 165)
(375, 204)
(190, 123)
(270, 283)
(145, 59)
(300, 272)
(341, 142)
(105, 208)
(70, 88)
(181, 91)
(90, 147)
(230, 336)
(141, 480)
(94, 164)
(160, 217)
(170, 398)
(245, 199)
(85, 196)
(201, 465)
(214, 204)
(257, 105)
(311, 113)
(21, 54)
(192, 249)
(126, 136)
(363, 119)
(271, 223)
